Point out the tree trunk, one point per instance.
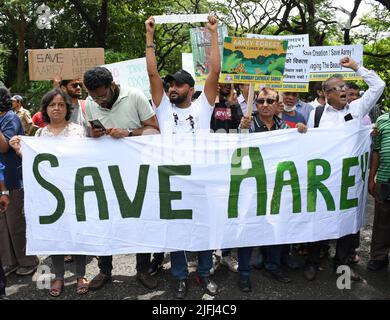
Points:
(21, 56)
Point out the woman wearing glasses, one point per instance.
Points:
(56, 111)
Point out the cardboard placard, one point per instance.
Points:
(69, 63)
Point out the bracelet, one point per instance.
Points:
(151, 46)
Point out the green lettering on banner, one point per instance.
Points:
(348, 181)
(128, 208)
(167, 196)
(238, 174)
(280, 183)
(80, 189)
(314, 183)
(49, 187)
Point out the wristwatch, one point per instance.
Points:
(4, 193)
(130, 132)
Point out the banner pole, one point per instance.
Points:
(251, 95)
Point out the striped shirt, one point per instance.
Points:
(382, 145)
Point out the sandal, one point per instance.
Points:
(82, 286)
(56, 289)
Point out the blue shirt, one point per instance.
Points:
(1, 172)
(10, 126)
(293, 120)
(304, 109)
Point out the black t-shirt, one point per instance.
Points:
(225, 116)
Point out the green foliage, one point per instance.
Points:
(125, 37)
(35, 92)
(4, 53)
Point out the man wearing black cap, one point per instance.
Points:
(177, 113)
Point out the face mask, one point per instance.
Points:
(289, 108)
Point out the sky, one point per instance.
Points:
(364, 7)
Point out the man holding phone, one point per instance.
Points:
(123, 111)
(118, 112)
(338, 112)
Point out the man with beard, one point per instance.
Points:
(124, 112)
(337, 112)
(177, 113)
(73, 89)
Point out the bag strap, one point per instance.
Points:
(317, 116)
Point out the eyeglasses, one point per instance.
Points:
(102, 97)
(338, 88)
(269, 101)
(75, 85)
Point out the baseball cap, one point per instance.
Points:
(17, 98)
(181, 77)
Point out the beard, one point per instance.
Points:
(74, 95)
(178, 99)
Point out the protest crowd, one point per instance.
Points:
(177, 107)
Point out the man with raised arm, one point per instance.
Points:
(177, 113)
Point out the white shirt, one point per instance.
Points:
(244, 105)
(315, 103)
(193, 119)
(241, 100)
(357, 108)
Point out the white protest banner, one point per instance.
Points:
(161, 193)
(296, 70)
(181, 18)
(325, 61)
(68, 63)
(131, 73)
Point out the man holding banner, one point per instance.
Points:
(176, 113)
(338, 112)
(124, 112)
(265, 120)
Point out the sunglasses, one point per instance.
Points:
(75, 85)
(269, 101)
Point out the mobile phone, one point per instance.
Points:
(96, 124)
(348, 117)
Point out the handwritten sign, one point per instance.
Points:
(131, 73)
(181, 18)
(46, 64)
